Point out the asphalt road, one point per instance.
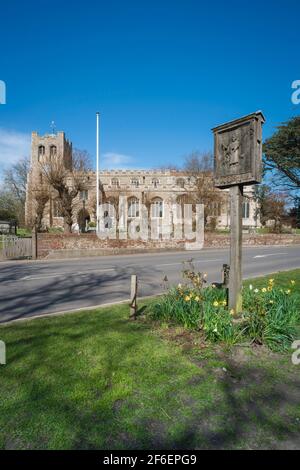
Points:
(30, 288)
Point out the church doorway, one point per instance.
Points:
(83, 219)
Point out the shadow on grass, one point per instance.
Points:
(99, 381)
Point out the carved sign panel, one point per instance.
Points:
(238, 151)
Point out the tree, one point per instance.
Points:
(41, 195)
(200, 167)
(67, 179)
(10, 206)
(272, 206)
(282, 153)
(15, 180)
(293, 216)
(199, 162)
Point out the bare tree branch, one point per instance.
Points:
(67, 180)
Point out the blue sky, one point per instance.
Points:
(161, 73)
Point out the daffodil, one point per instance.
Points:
(271, 281)
(271, 301)
(256, 291)
(224, 303)
(197, 298)
(264, 289)
(216, 330)
(179, 286)
(213, 286)
(231, 311)
(216, 303)
(250, 286)
(293, 282)
(288, 291)
(187, 298)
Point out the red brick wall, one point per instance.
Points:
(68, 245)
(219, 240)
(91, 244)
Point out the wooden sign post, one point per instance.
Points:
(133, 296)
(235, 278)
(237, 159)
(2, 352)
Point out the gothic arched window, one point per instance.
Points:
(115, 182)
(155, 182)
(246, 210)
(41, 152)
(157, 207)
(53, 151)
(135, 182)
(133, 207)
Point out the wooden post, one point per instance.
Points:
(225, 275)
(235, 278)
(34, 242)
(133, 297)
(225, 280)
(2, 353)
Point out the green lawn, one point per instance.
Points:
(281, 278)
(94, 380)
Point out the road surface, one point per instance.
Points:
(30, 288)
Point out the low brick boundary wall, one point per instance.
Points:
(219, 240)
(70, 245)
(77, 245)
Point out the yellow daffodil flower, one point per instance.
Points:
(216, 303)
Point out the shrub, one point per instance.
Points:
(205, 310)
(180, 306)
(270, 315)
(219, 326)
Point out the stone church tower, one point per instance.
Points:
(44, 146)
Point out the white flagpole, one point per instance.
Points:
(97, 171)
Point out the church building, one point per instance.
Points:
(154, 188)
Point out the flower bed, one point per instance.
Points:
(270, 313)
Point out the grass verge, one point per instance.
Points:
(94, 380)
